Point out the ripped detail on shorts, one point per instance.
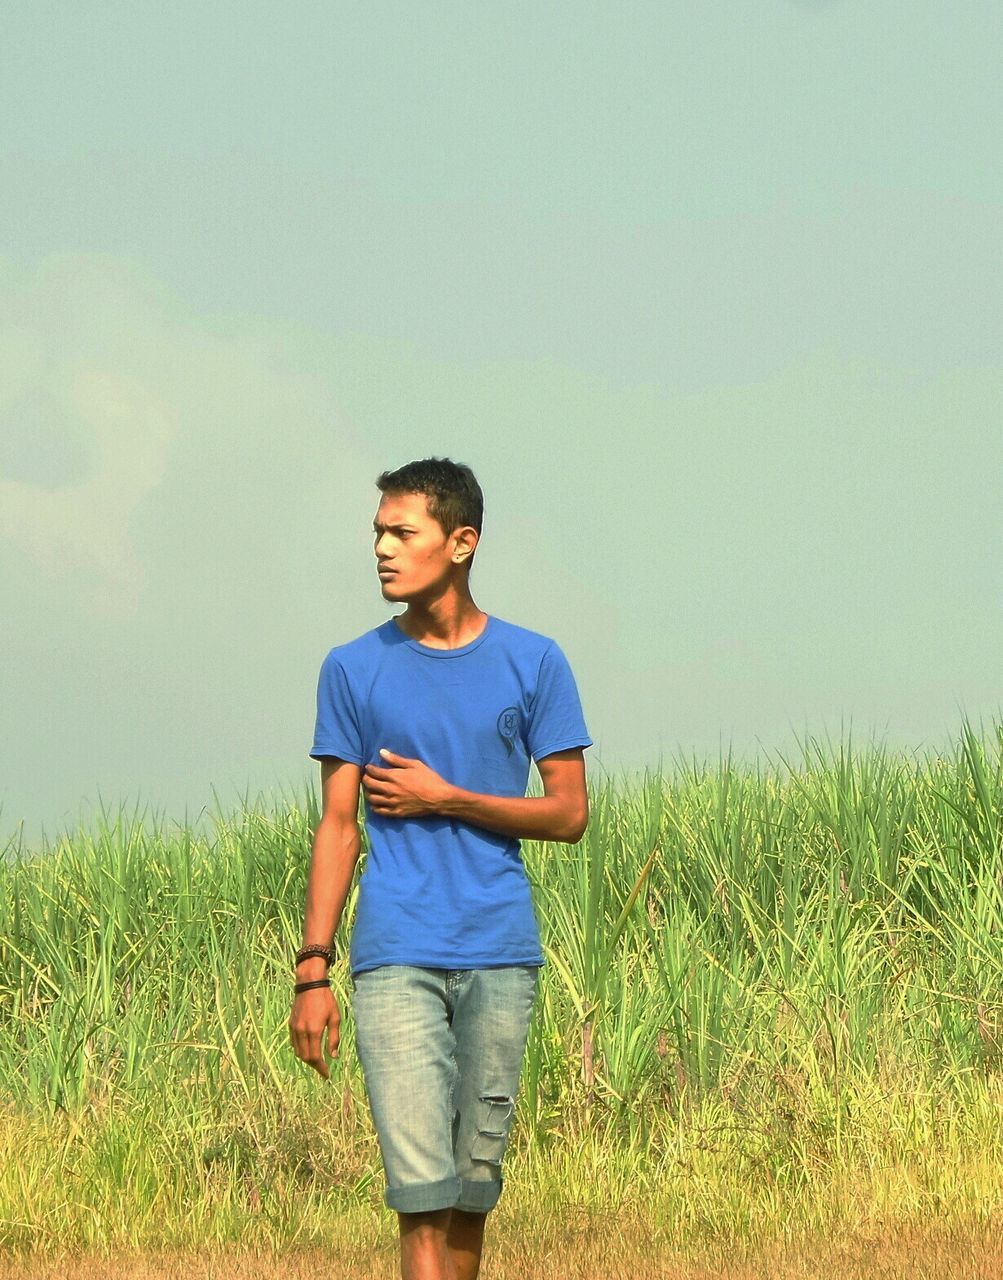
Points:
(494, 1122)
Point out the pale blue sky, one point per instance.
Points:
(707, 295)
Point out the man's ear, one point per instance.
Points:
(465, 540)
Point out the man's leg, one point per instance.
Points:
(464, 1240)
(424, 1255)
(442, 1244)
(405, 1045)
(491, 1024)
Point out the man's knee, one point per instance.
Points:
(472, 1216)
(425, 1221)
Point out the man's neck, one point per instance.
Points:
(444, 629)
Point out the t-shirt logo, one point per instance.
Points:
(508, 727)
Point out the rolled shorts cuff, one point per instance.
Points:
(479, 1197)
(474, 1197)
(422, 1197)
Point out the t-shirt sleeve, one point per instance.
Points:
(337, 731)
(556, 721)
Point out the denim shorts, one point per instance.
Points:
(441, 1052)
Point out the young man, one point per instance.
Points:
(436, 714)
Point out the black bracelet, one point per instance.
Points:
(308, 986)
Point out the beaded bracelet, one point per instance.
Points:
(308, 986)
(316, 949)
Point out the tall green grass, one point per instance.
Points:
(797, 968)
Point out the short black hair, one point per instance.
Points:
(452, 494)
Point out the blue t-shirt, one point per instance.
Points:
(437, 891)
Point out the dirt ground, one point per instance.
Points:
(965, 1256)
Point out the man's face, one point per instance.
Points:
(408, 541)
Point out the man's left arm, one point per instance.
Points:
(561, 813)
(402, 787)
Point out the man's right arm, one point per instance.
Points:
(337, 843)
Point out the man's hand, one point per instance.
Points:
(313, 1012)
(406, 789)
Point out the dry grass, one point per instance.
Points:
(588, 1253)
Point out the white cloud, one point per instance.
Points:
(126, 426)
(140, 440)
(85, 525)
